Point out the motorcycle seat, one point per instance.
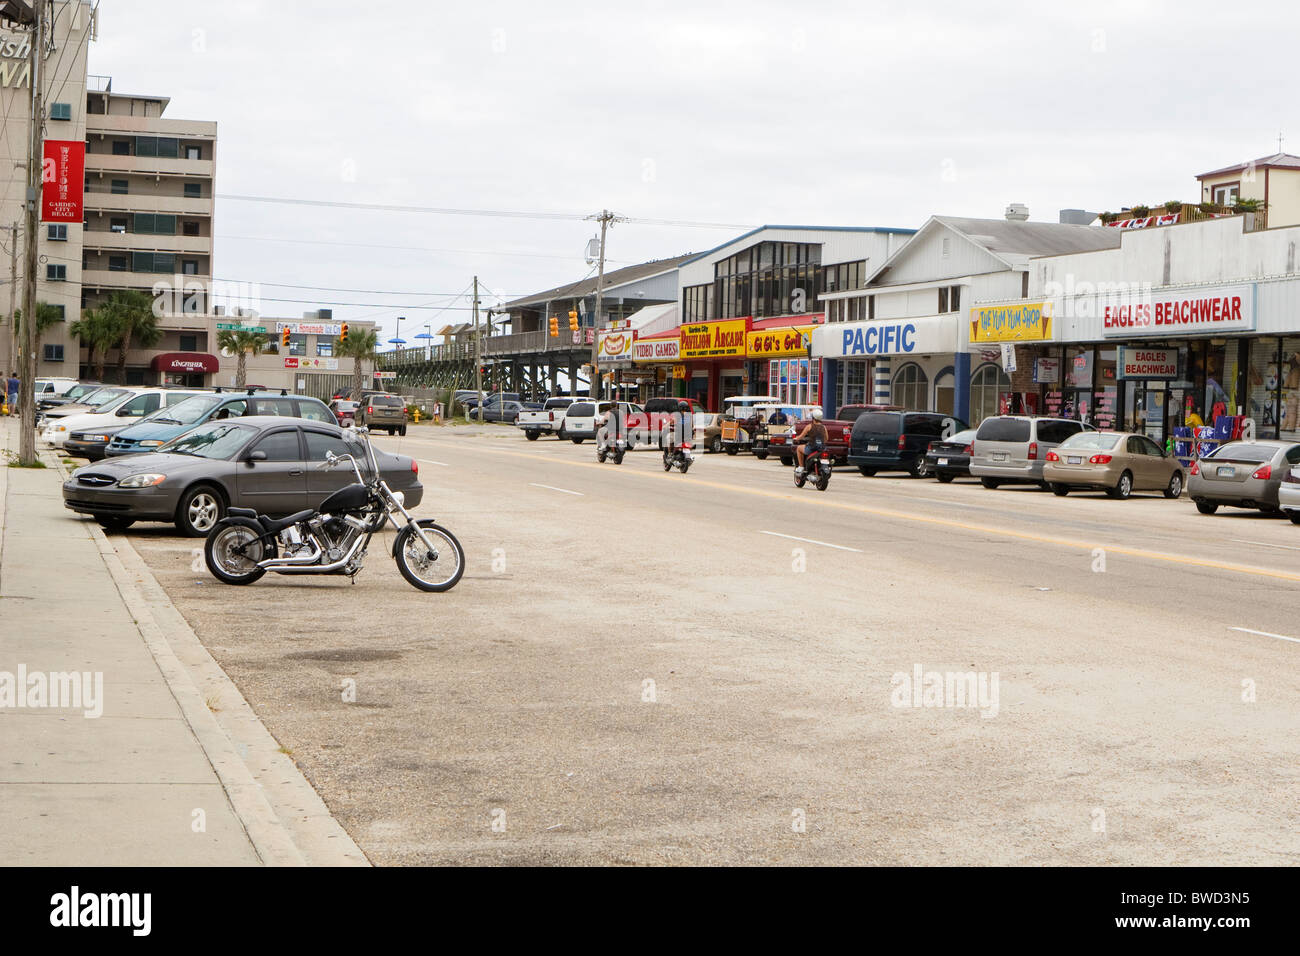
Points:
(276, 525)
(241, 513)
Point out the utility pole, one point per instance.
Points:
(606, 218)
(478, 356)
(35, 166)
(12, 364)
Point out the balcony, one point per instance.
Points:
(149, 165)
(109, 279)
(137, 202)
(130, 241)
(110, 124)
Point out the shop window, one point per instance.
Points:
(987, 385)
(911, 388)
(297, 344)
(944, 391)
(1289, 387)
(853, 383)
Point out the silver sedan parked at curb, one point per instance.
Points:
(1243, 474)
(267, 463)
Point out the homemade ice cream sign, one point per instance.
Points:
(1147, 363)
(1021, 322)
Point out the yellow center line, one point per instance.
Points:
(824, 502)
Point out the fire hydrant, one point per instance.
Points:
(415, 415)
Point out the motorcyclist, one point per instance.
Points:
(813, 436)
(614, 423)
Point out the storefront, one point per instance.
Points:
(1011, 359)
(714, 356)
(1150, 361)
(657, 369)
(779, 360)
(185, 368)
(915, 363)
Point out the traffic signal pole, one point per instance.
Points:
(605, 218)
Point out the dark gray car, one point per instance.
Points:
(265, 463)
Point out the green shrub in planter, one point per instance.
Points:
(1141, 212)
(1173, 206)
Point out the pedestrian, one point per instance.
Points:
(12, 391)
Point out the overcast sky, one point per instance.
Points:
(844, 113)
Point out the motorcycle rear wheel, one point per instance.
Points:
(440, 573)
(823, 480)
(229, 567)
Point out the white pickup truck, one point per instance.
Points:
(549, 420)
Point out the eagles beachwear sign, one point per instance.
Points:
(1198, 312)
(714, 339)
(1021, 322)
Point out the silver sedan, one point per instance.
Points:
(1242, 474)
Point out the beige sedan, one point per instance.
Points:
(1118, 463)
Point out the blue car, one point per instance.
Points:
(180, 418)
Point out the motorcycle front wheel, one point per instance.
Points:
(232, 552)
(438, 570)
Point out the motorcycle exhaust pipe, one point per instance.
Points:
(323, 568)
(271, 564)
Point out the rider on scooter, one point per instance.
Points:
(814, 438)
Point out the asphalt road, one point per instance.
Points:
(641, 667)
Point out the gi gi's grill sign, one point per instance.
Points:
(1148, 363)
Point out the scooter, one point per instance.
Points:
(817, 466)
(678, 456)
(613, 449)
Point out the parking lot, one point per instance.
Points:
(644, 667)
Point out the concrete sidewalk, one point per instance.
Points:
(155, 779)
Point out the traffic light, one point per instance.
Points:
(555, 326)
(573, 320)
(285, 335)
(343, 333)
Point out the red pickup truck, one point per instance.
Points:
(838, 432)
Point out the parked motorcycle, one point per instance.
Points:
(817, 466)
(678, 456)
(333, 538)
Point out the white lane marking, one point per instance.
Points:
(440, 464)
(563, 491)
(824, 544)
(1264, 544)
(1280, 637)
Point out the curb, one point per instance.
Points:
(282, 814)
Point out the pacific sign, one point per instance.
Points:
(879, 339)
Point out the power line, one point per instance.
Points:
(322, 288)
(491, 213)
(365, 245)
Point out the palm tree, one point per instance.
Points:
(241, 343)
(132, 315)
(46, 315)
(98, 333)
(360, 346)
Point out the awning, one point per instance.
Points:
(185, 362)
(653, 319)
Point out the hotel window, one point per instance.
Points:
(117, 263)
(60, 111)
(190, 267)
(193, 191)
(55, 273)
(121, 147)
(189, 343)
(193, 152)
(117, 224)
(57, 232)
(155, 225)
(153, 262)
(190, 228)
(119, 187)
(54, 353)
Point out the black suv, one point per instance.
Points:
(897, 441)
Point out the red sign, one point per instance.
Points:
(185, 362)
(63, 178)
(291, 363)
